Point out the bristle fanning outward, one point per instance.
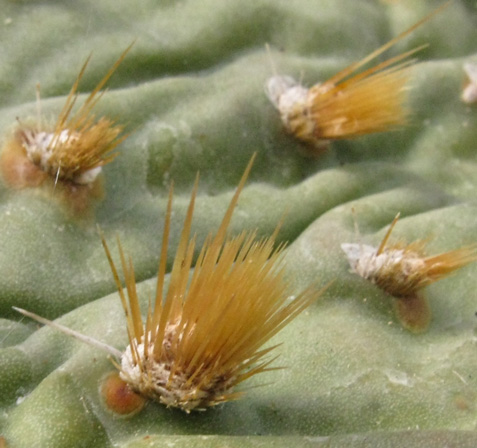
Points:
(204, 337)
(352, 102)
(73, 150)
(349, 106)
(372, 104)
(405, 269)
(88, 143)
(402, 270)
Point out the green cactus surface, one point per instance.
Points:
(191, 94)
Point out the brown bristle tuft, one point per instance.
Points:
(350, 103)
(402, 270)
(68, 156)
(204, 337)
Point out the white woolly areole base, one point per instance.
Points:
(40, 148)
(392, 269)
(364, 260)
(147, 377)
(285, 94)
(153, 379)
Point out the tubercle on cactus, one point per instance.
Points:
(403, 270)
(67, 156)
(350, 103)
(203, 336)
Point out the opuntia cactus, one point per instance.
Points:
(190, 95)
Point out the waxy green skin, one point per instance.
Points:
(191, 91)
